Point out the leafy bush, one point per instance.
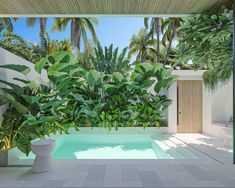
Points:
(75, 97)
(206, 40)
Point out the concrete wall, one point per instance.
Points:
(7, 57)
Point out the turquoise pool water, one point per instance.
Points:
(118, 146)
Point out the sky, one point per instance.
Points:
(110, 30)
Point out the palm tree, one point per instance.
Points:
(154, 29)
(6, 23)
(142, 45)
(17, 45)
(84, 57)
(31, 22)
(55, 45)
(169, 28)
(79, 27)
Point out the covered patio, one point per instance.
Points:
(214, 165)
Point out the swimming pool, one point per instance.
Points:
(115, 145)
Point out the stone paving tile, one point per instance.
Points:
(175, 168)
(185, 178)
(96, 173)
(198, 173)
(113, 178)
(224, 179)
(172, 183)
(54, 183)
(76, 178)
(90, 183)
(130, 173)
(81, 167)
(150, 178)
(132, 184)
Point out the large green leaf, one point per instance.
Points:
(19, 68)
(11, 99)
(3, 100)
(22, 80)
(93, 77)
(56, 73)
(51, 104)
(31, 99)
(40, 64)
(146, 67)
(17, 89)
(118, 77)
(58, 67)
(163, 84)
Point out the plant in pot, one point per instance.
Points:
(24, 105)
(15, 109)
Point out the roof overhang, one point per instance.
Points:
(106, 7)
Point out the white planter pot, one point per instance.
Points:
(42, 149)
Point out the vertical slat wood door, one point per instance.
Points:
(189, 106)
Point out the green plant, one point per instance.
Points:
(75, 97)
(109, 61)
(108, 99)
(206, 40)
(143, 46)
(31, 111)
(6, 24)
(56, 46)
(79, 27)
(31, 22)
(154, 27)
(17, 45)
(170, 31)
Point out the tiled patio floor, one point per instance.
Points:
(215, 170)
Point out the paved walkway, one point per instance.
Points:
(213, 169)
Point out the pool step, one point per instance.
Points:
(182, 148)
(172, 147)
(160, 153)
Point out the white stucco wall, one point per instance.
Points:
(217, 109)
(7, 57)
(217, 106)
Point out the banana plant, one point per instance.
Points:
(109, 61)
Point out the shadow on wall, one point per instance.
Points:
(222, 104)
(7, 57)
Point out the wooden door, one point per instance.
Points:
(189, 106)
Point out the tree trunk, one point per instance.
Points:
(170, 44)
(42, 36)
(157, 31)
(75, 34)
(143, 57)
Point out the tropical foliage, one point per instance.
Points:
(109, 61)
(143, 46)
(56, 46)
(154, 29)
(206, 40)
(75, 97)
(31, 22)
(79, 27)
(169, 28)
(6, 24)
(85, 56)
(17, 45)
